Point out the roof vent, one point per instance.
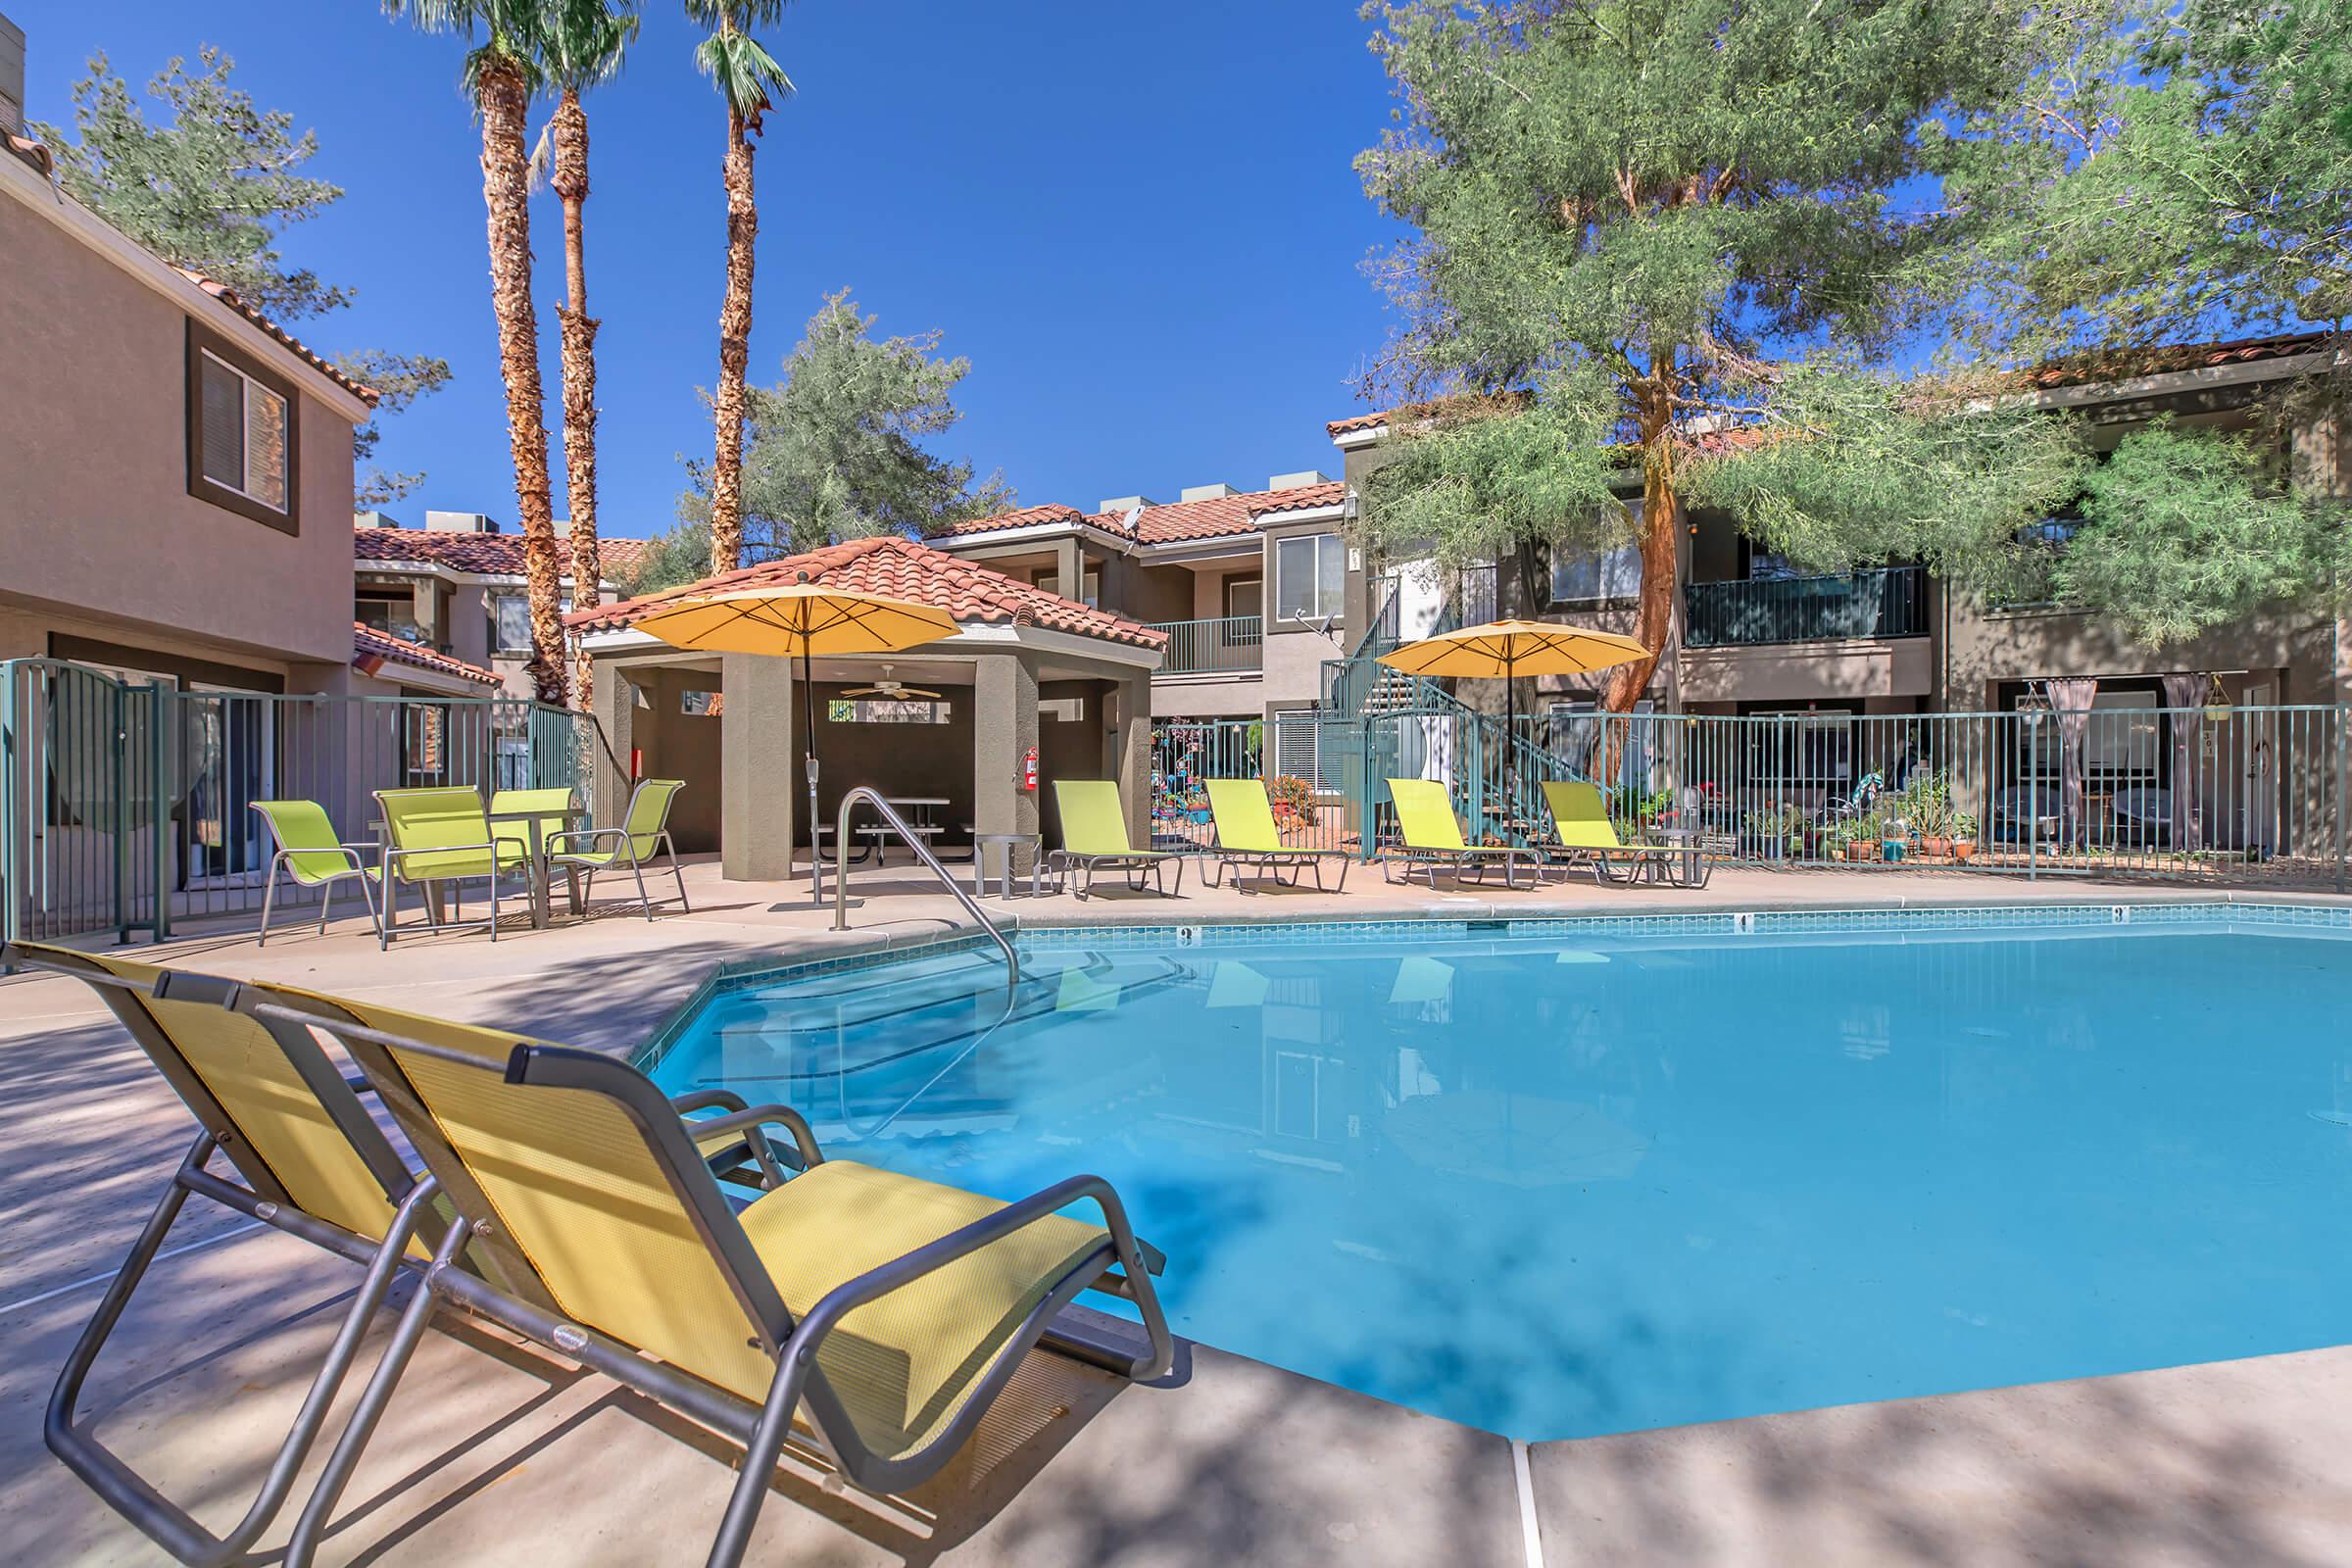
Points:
(460, 522)
(1209, 492)
(1126, 503)
(374, 520)
(1297, 481)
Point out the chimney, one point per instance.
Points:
(374, 520)
(1209, 492)
(12, 78)
(460, 522)
(1125, 504)
(1297, 481)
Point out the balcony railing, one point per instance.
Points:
(1883, 602)
(1233, 645)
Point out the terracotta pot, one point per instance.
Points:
(1936, 847)
(1862, 850)
(1962, 849)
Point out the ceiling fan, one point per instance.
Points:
(889, 690)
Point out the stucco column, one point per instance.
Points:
(1069, 570)
(616, 717)
(1129, 747)
(760, 781)
(1004, 729)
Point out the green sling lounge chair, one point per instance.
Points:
(1248, 841)
(1580, 820)
(303, 1158)
(1433, 838)
(643, 833)
(1094, 837)
(310, 853)
(884, 1312)
(440, 838)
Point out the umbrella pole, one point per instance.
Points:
(1510, 720)
(817, 847)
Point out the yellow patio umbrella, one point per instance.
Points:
(1509, 649)
(798, 621)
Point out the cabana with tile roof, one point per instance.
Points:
(1026, 668)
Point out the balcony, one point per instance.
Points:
(1883, 602)
(1232, 646)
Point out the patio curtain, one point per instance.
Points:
(2183, 695)
(2070, 706)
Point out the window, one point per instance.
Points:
(699, 705)
(1244, 598)
(1299, 751)
(1598, 576)
(1060, 710)
(1047, 579)
(883, 710)
(1310, 577)
(241, 432)
(510, 625)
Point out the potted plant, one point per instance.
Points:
(1195, 805)
(1294, 803)
(1861, 838)
(1964, 835)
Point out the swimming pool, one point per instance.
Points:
(1567, 1177)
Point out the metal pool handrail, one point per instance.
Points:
(923, 853)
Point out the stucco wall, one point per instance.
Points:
(95, 514)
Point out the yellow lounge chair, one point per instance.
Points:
(1580, 820)
(890, 1311)
(1093, 836)
(303, 1158)
(1248, 839)
(1433, 838)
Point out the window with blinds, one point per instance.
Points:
(241, 440)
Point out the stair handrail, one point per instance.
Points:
(922, 852)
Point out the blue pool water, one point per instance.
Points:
(1587, 1181)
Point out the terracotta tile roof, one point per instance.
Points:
(490, 553)
(33, 153)
(1500, 401)
(308, 356)
(2123, 365)
(900, 568)
(371, 648)
(1024, 518)
(1176, 522)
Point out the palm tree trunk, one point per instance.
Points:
(568, 136)
(734, 350)
(503, 102)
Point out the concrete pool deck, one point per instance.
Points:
(496, 1454)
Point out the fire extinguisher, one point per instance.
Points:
(1029, 771)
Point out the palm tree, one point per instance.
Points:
(749, 78)
(581, 46)
(501, 73)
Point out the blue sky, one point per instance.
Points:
(1139, 222)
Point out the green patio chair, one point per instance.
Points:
(886, 1311)
(310, 853)
(644, 832)
(1580, 820)
(440, 839)
(1433, 839)
(1248, 841)
(1093, 836)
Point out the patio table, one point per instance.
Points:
(1686, 863)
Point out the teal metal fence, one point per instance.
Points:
(126, 806)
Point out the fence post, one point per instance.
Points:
(2032, 793)
(159, 723)
(2341, 714)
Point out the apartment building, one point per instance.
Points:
(1248, 586)
(453, 589)
(1753, 635)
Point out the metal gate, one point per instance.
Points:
(126, 805)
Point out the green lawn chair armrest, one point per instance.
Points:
(589, 835)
